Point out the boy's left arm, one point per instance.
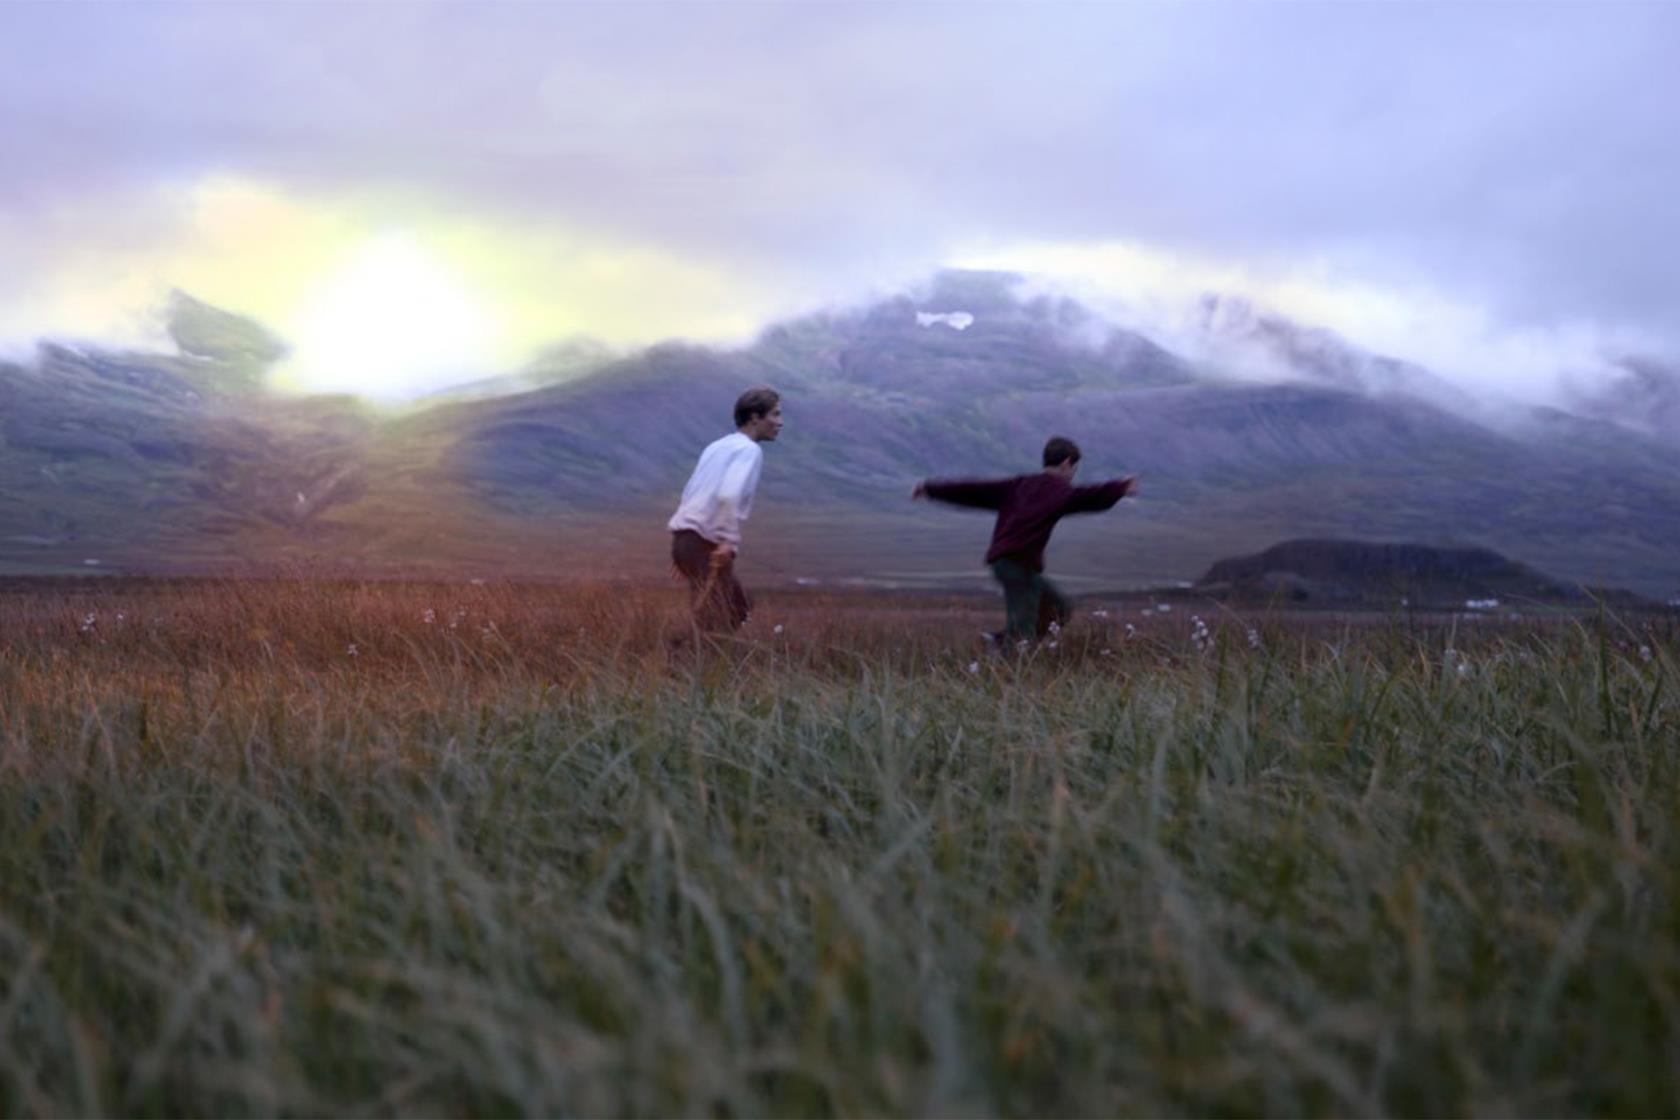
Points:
(1094, 499)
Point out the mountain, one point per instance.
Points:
(172, 462)
(163, 462)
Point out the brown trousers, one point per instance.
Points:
(718, 600)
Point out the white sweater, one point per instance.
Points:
(719, 494)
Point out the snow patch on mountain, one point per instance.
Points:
(956, 320)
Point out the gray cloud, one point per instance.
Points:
(1520, 156)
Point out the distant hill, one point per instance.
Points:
(184, 462)
(1345, 571)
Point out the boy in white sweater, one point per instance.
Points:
(706, 529)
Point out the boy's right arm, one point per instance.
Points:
(979, 493)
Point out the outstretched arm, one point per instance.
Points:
(979, 493)
(1093, 499)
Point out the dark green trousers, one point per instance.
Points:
(1031, 602)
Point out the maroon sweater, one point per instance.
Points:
(1028, 508)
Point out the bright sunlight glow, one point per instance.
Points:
(392, 321)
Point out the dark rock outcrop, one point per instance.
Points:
(1345, 570)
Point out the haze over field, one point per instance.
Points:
(418, 196)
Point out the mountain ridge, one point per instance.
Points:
(171, 462)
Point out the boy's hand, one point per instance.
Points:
(919, 490)
(722, 555)
(1131, 486)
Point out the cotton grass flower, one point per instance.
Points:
(1455, 661)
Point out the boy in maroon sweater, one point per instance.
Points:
(1029, 506)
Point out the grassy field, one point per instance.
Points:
(478, 849)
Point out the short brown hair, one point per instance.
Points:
(1060, 450)
(754, 403)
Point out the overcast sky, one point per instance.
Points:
(1486, 187)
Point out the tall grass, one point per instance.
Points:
(528, 857)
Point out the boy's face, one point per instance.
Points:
(764, 427)
(1067, 468)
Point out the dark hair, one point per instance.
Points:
(1059, 451)
(754, 403)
